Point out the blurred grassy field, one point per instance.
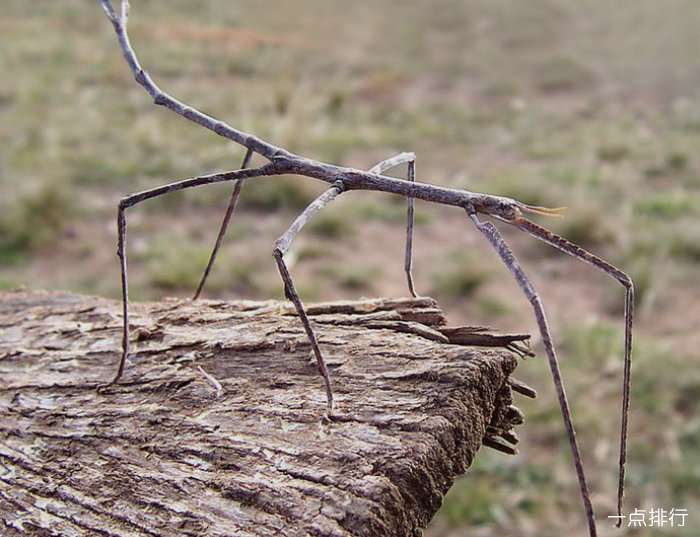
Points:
(589, 104)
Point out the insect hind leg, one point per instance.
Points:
(224, 225)
(281, 246)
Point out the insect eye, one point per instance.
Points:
(508, 210)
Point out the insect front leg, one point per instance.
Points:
(506, 254)
(560, 243)
(281, 246)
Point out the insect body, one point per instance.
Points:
(341, 179)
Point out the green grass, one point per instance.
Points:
(33, 221)
(501, 494)
(274, 193)
(352, 278)
(331, 224)
(174, 264)
(460, 275)
(667, 205)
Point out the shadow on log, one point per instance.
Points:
(217, 427)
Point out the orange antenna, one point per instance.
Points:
(545, 211)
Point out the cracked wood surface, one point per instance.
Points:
(217, 426)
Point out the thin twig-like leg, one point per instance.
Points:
(410, 159)
(281, 247)
(396, 160)
(508, 258)
(579, 253)
(224, 225)
(408, 263)
(134, 199)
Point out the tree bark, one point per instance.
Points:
(217, 427)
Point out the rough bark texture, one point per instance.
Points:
(217, 427)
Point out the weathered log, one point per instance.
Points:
(218, 427)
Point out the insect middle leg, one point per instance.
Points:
(281, 246)
(410, 159)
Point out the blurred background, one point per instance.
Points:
(589, 104)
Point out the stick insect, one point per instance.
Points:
(342, 179)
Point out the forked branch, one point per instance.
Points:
(342, 179)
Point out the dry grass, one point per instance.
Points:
(587, 104)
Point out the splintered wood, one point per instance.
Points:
(216, 428)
